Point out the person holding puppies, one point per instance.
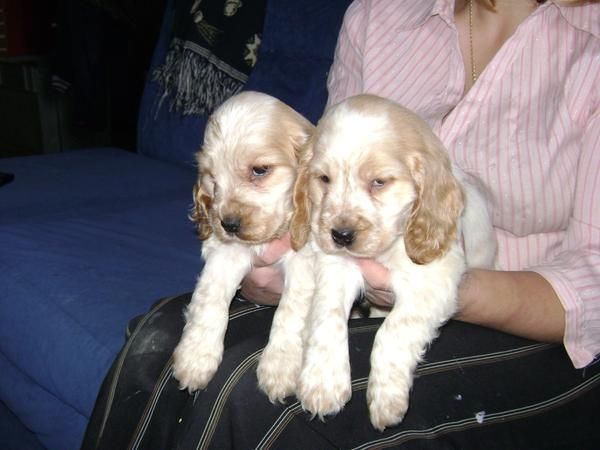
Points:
(512, 90)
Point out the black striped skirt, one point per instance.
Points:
(476, 389)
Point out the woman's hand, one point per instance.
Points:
(264, 284)
(377, 277)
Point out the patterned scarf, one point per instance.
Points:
(213, 50)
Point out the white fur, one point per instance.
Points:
(200, 350)
(247, 169)
(359, 178)
(281, 360)
(476, 229)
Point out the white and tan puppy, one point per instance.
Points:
(378, 184)
(247, 168)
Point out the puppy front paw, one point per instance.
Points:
(278, 372)
(195, 363)
(387, 399)
(324, 390)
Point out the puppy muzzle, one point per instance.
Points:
(231, 224)
(343, 237)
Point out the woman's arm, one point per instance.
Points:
(519, 303)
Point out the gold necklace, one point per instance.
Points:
(473, 71)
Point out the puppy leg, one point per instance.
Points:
(423, 304)
(200, 350)
(325, 382)
(281, 360)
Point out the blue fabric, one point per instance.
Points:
(89, 239)
(13, 434)
(54, 423)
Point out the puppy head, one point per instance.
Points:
(377, 174)
(247, 167)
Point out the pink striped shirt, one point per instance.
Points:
(529, 128)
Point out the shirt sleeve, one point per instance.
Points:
(345, 76)
(575, 273)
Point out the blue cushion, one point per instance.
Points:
(89, 240)
(13, 433)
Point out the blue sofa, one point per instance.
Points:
(93, 237)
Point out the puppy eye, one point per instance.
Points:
(377, 183)
(260, 171)
(325, 179)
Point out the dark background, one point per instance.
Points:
(72, 72)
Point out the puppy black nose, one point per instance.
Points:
(231, 224)
(343, 237)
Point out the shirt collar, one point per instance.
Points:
(444, 9)
(413, 17)
(584, 17)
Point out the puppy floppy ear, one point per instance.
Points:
(300, 222)
(432, 225)
(199, 214)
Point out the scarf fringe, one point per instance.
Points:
(194, 84)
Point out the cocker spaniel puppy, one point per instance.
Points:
(242, 200)
(377, 184)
